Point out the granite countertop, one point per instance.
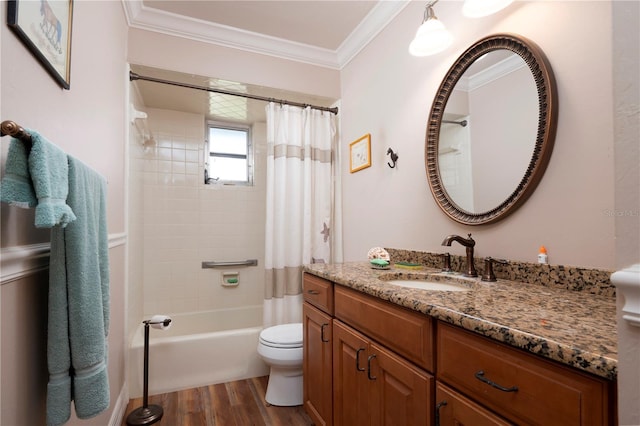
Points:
(575, 328)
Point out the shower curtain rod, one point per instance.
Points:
(134, 76)
(463, 123)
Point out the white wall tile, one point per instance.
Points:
(187, 222)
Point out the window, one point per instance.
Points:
(230, 160)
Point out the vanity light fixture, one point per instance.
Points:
(432, 37)
(479, 8)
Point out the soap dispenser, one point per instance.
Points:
(542, 255)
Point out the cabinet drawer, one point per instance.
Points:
(406, 332)
(453, 408)
(534, 390)
(318, 292)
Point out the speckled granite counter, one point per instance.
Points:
(572, 327)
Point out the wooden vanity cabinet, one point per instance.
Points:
(372, 383)
(521, 387)
(371, 362)
(317, 366)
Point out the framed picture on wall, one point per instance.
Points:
(360, 153)
(45, 28)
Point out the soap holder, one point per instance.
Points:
(230, 279)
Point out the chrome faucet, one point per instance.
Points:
(469, 243)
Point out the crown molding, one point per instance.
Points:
(495, 72)
(377, 19)
(492, 73)
(140, 16)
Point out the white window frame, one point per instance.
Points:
(249, 157)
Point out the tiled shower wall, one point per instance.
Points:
(186, 222)
(135, 210)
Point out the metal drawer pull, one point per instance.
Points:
(369, 367)
(313, 292)
(480, 376)
(438, 407)
(322, 333)
(358, 360)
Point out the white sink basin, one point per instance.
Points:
(429, 285)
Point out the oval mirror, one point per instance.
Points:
(491, 129)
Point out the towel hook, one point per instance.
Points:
(394, 158)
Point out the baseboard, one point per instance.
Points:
(120, 407)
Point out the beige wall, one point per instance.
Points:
(626, 95)
(389, 95)
(188, 56)
(87, 122)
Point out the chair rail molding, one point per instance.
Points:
(20, 261)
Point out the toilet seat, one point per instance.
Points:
(282, 336)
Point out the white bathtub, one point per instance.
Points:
(199, 349)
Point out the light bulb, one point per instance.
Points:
(431, 38)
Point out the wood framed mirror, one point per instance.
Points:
(491, 129)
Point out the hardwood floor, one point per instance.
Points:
(239, 403)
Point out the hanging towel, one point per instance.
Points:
(79, 302)
(16, 187)
(49, 173)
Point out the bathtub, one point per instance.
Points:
(198, 349)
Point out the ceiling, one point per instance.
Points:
(326, 33)
(321, 23)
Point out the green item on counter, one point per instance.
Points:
(408, 265)
(379, 262)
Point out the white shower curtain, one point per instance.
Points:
(303, 219)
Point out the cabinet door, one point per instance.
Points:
(317, 365)
(401, 394)
(453, 409)
(350, 382)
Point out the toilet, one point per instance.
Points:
(280, 347)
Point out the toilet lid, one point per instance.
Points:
(282, 336)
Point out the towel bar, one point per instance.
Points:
(249, 262)
(12, 128)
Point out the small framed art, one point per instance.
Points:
(45, 28)
(360, 153)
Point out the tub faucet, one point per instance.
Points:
(469, 243)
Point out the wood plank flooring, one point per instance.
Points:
(239, 403)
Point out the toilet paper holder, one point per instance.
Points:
(148, 413)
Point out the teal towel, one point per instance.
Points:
(49, 173)
(79, 302)
(16, 187)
